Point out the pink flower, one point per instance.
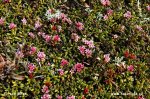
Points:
(6, 1)
(53, 20)
(78, 67)
(47, 38)
(42, 34)
(81, 49)
(106, 58)
(105, 2)
(128, 15)
(89, 43)
(70, 97)
(63, 16)
(75, 37)
(46, 96)
(72, 71)
(59, 97)
(32, 50)
(109, 12)
(61, 72)
(31, 35)
(19, 54)
(68, 21)
(37, 24)
(64, 62)
(130, 68)
(140, 97)
(45, 89)
(148, 7)
(79, 26)
(51, 11)
(48, 63)
(105, 17)
(64, 19)
(2, 21)
(56, 38)
(41, 56)
(139, 28)
(12, 26)
(88, 53)
(31, 67)
(24, 21)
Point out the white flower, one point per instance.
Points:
(51, 15)
(119, 61)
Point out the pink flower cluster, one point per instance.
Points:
(106, 58)
(59, 97)
(148, 7)
(70, 97)
(31, 35)
(86, 51)
(65, 18)
(105, 17)
(19, 54)
(47, 38)
(141, 97)
(79, 26)
(6, 1)
(78, 67)
(41, 34)
(61, 72)
(31, 68)
(128, 15)
(64, 62)
(24, 21)
(90, 43)
(12, 26)
(32, 50)
(37, 24)
(41, 56)
(109, 13)
(130, 68)
(105, 2)
(75, 37)
(82, 49)
(2, 21)
(45, 90)
(139, 28)
(46, 96)
(56, 38)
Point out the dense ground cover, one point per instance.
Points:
(74, 49)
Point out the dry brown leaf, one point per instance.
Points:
(18, 77)
(1, 58)
(2, 64)
(86, 5)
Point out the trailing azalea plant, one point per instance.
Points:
(79, 49)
